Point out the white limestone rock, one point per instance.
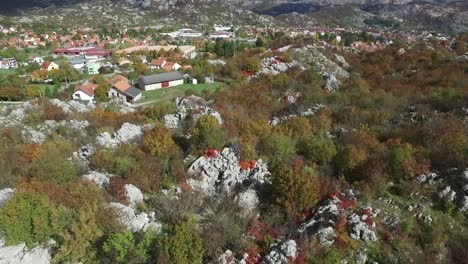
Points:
(282, 253)
(171, 121)
(136, 222)
(32, 136)
(331, 82)
(72, 106)
(341, 61)
(20, 254)
(126, 134)
(327, 236)
(84, 153)
(134, 195)
(448, 194)
(247, 200)
(223, 173)
(5, 194)
(359, 229)
(463, 207)
(100, 179)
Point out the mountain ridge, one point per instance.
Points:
(437, 15)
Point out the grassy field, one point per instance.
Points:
(43, 87)
(5, 72)
(168, 94)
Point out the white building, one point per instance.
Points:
(84, 92)
(222, 34)
(158, 81)
(38, 60)
(222, 28)
(49, 65)
(186, 33)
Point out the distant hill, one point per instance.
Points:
(432, 15)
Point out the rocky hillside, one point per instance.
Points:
(436, 15)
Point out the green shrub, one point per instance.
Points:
(30, 218)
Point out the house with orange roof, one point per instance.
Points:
(49, 65)
(84, 92)
(117, 78)
(171, 66)
(122, 89)
(157, 63)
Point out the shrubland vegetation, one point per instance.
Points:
(398, 116)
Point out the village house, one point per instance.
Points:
(221, 34)
(157, 64)
(171, 66)
(78, 64)
(158, 81)
(8, 63)
(122, 89)
(49, 65)
(37, 59)
(92, 68)
(86, 52)
(84, 92)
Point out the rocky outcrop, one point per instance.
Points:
(193, 106)
(330, 71)
(20, 254)
(72, 106)
(452, 188)
(282, 253)
(223, 173)
(126, 134)
(309, 112)
(100, 179)
(134, 221)
(5, 194)
(134, 195)
(275, 66)
(331, 211)
(247, 200)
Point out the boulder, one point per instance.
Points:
(136, 222)
(282, 253)
(101, 180)
(326, 236)
(247, 200)
(5, 194)
(126, 134)
(223, 173)
(20, 254)
(331, 82)
(463, 207)
(133, 194)
(360, 229)
(448, 194)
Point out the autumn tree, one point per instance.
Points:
(30, 218)
(318, 149)
(129, 248)
(53, 163)
(102, 88)
(185, 245)
(295, 189)
(278, 146)
(208, 133)
(159, 141)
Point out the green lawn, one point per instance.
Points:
(43, 87)
(5, 72)
(168, 94)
